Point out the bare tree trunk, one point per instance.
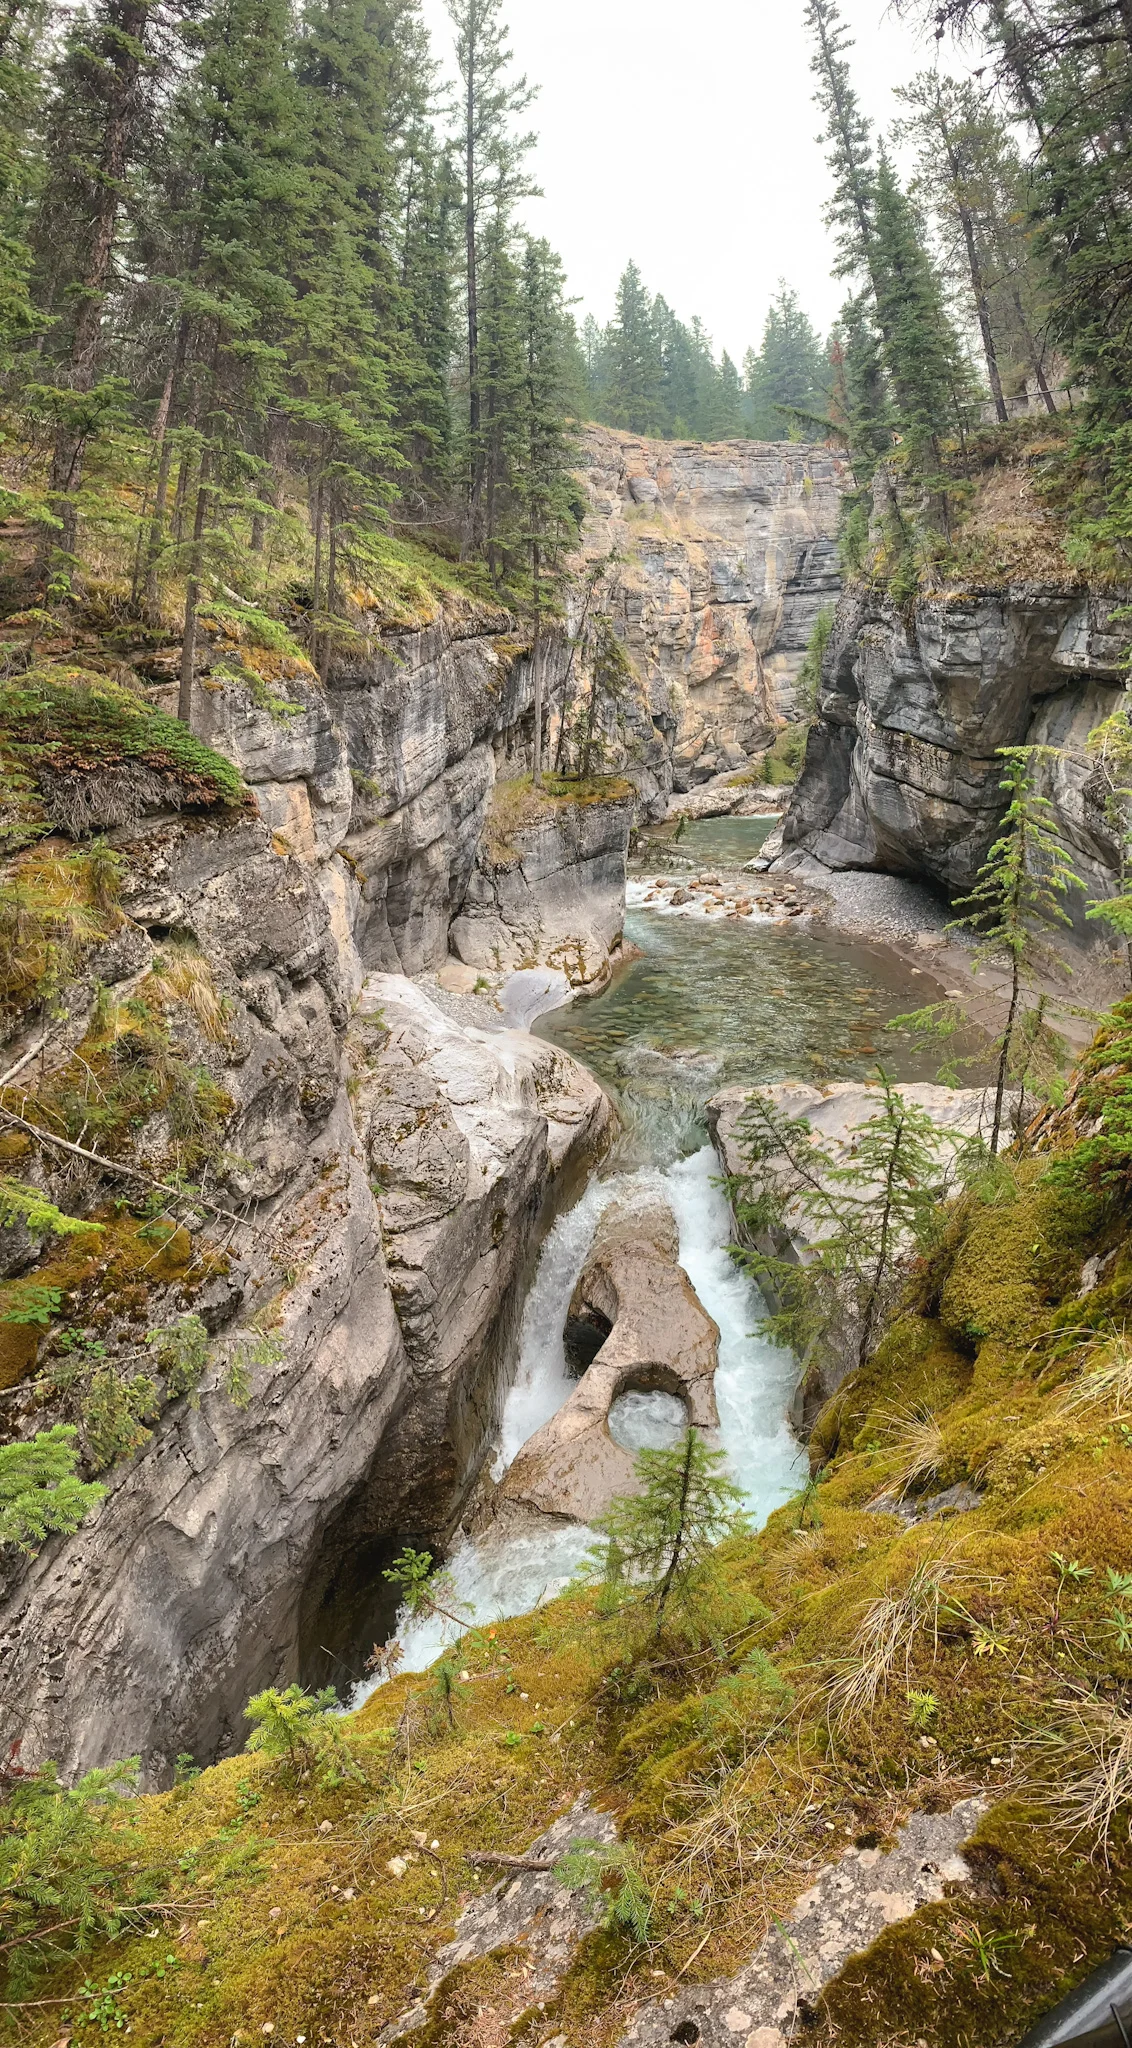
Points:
(1004, 1054)
(192, 598)
(120, 70)
(669, 1579)
(1035, 355)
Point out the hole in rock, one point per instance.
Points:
(687, 2032)
(348, 1606)
(647, 1420)
(582, 1339)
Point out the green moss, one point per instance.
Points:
(62, 726)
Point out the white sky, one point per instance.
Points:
(681, 133)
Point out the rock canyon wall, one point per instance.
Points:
(719, 560)
(902, 772)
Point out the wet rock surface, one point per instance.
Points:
(766, 2004)
(659, 1337)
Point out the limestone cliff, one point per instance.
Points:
(901, 770)
(375, 1195)
(719, 559)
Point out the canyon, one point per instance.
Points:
(395, 1162)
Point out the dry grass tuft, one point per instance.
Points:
(1085, 1763)
(1105, 1374)
(917, 1437)
(185, 974)
(888, 1632)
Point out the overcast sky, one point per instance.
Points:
(681, 133)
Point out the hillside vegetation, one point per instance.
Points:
(860, 1658)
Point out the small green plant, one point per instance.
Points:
(446, 1691)
(610, 1874)
(40, 1493)
(303, 1733)
(180, 1354)
(32, 1304)
(22, 1204)
(426, 1593)
(987, 1948)
(1069, 1571)
(922, 1710)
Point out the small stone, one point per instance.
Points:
(524, 1695)
(268, 2027)
(396, 1866)
(373, 1999)
(434, 1845)
(275, 1912)
(325, 1827)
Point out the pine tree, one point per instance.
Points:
(635, 359)
(1019, 890)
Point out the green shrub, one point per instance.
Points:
(303, 1732)
(39, 1491)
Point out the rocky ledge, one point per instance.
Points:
(651, 1332)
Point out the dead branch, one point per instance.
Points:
(120, 1166)
(487, 1858)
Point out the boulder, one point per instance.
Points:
(659, 1337)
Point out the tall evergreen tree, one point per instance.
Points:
(790, 371)
(928, 372)
(494, 177)
(101, 92)
(635, 358)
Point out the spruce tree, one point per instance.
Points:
(657, 1552)
(790, 373)
(101, 91)
(492, 157)
(850, 212)
(1019, 890)
(923, 355)
(635, 359)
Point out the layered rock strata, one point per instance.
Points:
(902, 771)
(655, 1335)
(554, 894)
(370, 1298)
(713, 563)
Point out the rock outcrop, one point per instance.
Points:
(725, 555)
(655, 1335)
(374, 1284)
(901, 771)
(769, 2001)
(551, 893)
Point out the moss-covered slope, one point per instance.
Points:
(869, 1653)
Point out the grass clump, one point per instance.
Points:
(80, 753)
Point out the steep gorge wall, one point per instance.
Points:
(901, 771)
(393, 1181)
(723, 557)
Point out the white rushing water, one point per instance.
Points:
(753, 1384)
